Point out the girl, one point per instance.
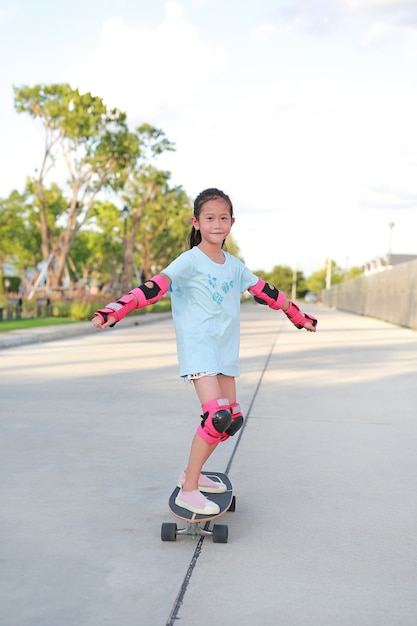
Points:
(205, 284)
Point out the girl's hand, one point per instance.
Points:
(98, 324)
(310, 327)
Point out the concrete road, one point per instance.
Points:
(95, 429)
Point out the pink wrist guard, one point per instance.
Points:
(118, 309)
(141, 296)
(297, 317)
(267, 294)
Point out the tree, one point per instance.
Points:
(89, 142)
(12, 228)
(317, 281)
(354, 272)
(159, 213)
(20, 242)
(232, 247)
(282, 276)
(98, 250)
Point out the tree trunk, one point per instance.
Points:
(128, 269)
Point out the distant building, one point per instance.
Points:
(387, 262)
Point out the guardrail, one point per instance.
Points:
(15, 308)
(390, 295)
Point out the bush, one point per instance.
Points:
(79, 310)
(83, 309)
(61, 309)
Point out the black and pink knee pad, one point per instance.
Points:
(237, 421)
(216, 419)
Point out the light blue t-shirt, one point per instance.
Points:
(205, 299)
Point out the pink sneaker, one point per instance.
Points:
(195, 502)
(205, 484)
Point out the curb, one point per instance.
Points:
(16, 338)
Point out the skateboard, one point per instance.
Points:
(198, 524)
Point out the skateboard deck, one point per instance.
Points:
(226, 501)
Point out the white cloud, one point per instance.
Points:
(199, 4)
(262, 31)
(393, 34)
(377, 5)
(315, 161)
(148, 73)
(392, 22)
(376, 33)
(387, 197)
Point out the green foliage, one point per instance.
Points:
(163, 225)
(76, 221)
(100, 153)
(16, 236)
(232, 247)
(61, 309)
(97, 251)
(317, 281)
(159, 213)
(354, 272)
(83, 308)
(283, 277)
(97, 148)
(95, 139)
(79, 310)
(152, 142)
(162, 306)
(10, 284)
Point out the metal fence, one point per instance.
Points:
(390, 295)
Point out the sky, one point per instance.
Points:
(303, 111)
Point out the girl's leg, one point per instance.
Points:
(211, 387)
(199, 453)
(207, 388)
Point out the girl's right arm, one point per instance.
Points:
(143, 295)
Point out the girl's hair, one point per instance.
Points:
(194, 237)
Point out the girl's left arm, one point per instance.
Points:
(268, 294)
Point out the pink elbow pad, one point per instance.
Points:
(148, 295)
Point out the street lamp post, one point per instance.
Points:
(328, 273)
(390, 226)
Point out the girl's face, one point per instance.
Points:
(214, 222)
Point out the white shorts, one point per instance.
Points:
(189, 377)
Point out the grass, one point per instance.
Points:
(33, 323)
(159, 307)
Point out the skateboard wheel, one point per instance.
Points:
(232, 507)
(168, 531)
(220, 533)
